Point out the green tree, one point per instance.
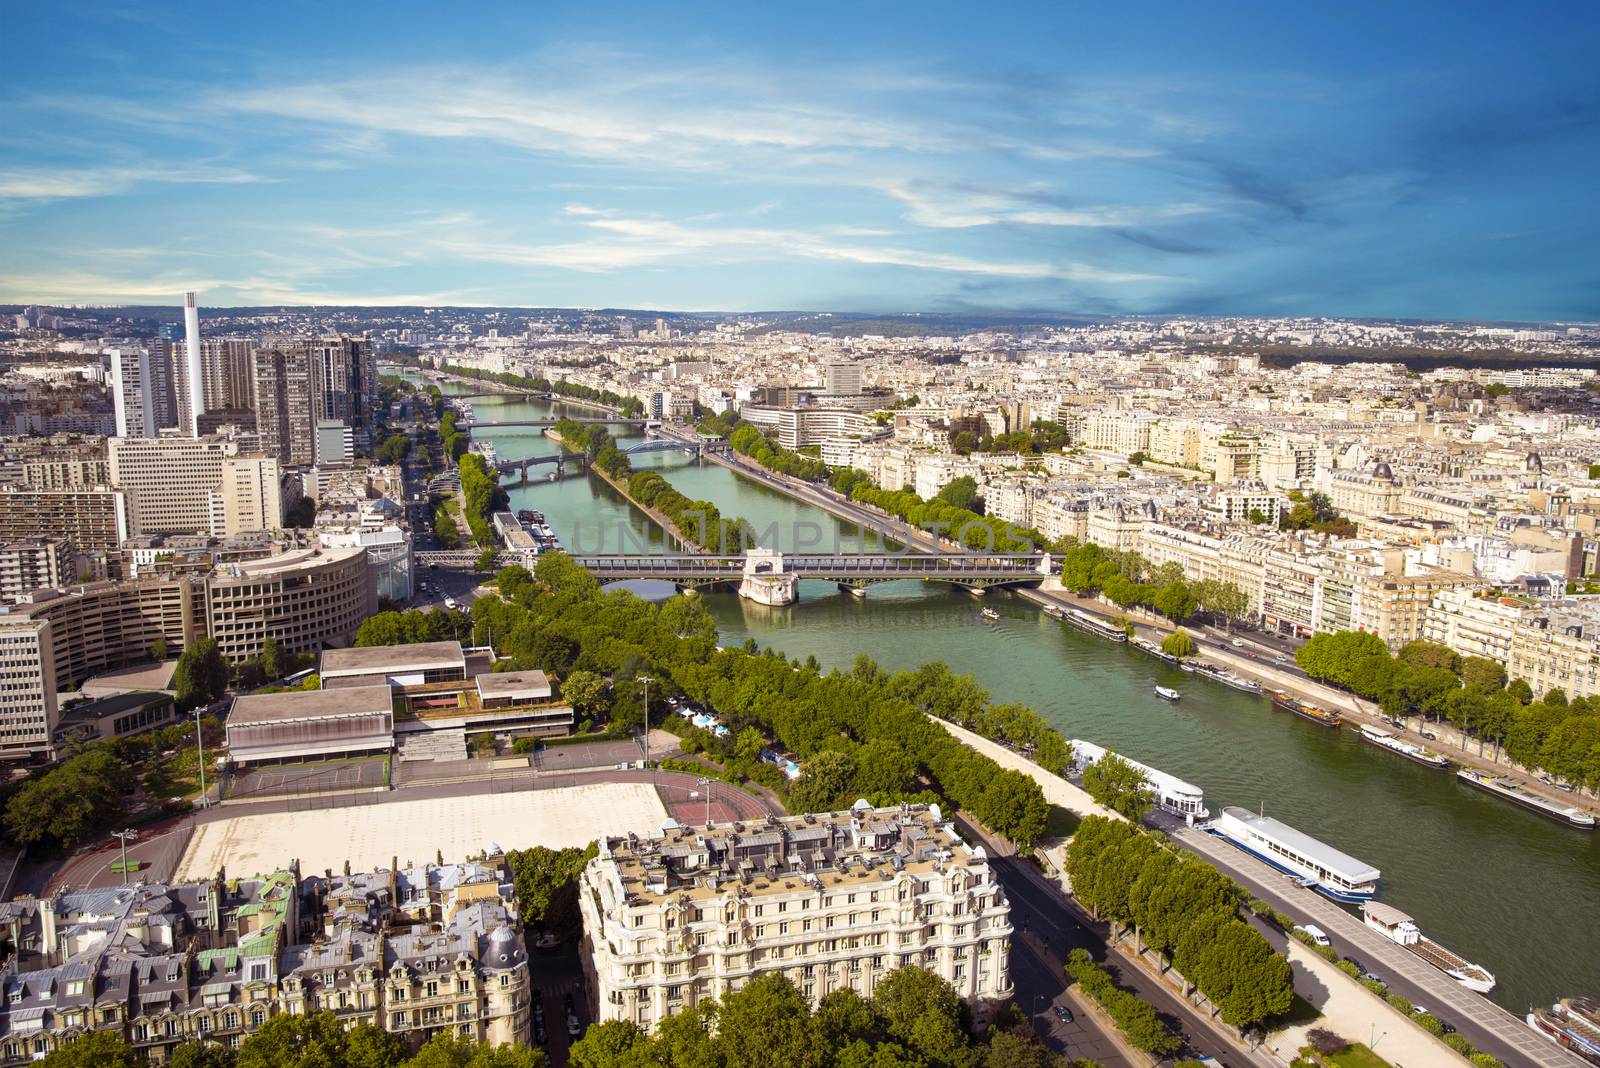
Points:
(158, 649)
(923, 1012)
(288, 1040)
(271, 659)
(962, 493)
(585, 691)
(611, 1044)
(97, 1049)
(199, 1055)
(1119, 786)
(748, 745)
(486, 560)
(1175, 601)
(1018, 1049)
(201, 675)
(825, 782)
(1178, 643)
(1481, 673)
(547, 888)
(764, 1023)
(1520, 689)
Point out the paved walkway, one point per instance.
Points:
(1491, 1028)
(1356, 1014)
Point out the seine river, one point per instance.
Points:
(1505, 888)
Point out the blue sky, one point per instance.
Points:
(1372, 159)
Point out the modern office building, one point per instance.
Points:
(303, 599)
(842, 379)
(389, 556)
(142, 395)
(831, 900)
(173, 484)
(393, 665)
(346, 722)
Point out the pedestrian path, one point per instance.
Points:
(1447, 998)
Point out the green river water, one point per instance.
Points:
(1508, 889)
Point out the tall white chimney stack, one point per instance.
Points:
(191, 336)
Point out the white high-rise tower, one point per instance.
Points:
(195, 393)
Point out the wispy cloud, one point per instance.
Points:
(60, 183)
(946, 207)
(621, 242)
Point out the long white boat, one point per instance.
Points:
(1573, 1024)
(1313, 863)
(1396, 744)
(1403, 931)
(1172, 794)
(1511, 791)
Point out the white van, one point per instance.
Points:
(1315, 933)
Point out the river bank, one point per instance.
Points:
(659, 517)
(1503, 886)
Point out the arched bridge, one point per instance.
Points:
(605, 420)
(857, 571)
(561, 460)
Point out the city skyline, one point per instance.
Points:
(1216, 163)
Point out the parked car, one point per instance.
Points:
(1313, 932)
(1063, 1014)
(1237, 643)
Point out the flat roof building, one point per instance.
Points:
(394, 665)
(306, 723)
(496, 688)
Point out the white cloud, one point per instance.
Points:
(60, 183)
(623, 242)
(946, 208)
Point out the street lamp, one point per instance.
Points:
(705, 784)
(200, 751)
(647, 680)
(123, 836)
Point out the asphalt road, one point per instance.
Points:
(1489, 1027)
(1045, 912)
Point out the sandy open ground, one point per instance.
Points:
(370, 836)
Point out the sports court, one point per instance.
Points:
(371, 836)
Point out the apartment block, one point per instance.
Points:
(34, 564)
(91, 518)
(287, 391)
(418, 952)
(831, 900)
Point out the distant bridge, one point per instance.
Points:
(857, 571)
(561, 460)
(620, 420)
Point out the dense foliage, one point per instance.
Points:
(201, 675)
(1115, 784)
(1559, 736)
(626, 405)
(1137, 1020)
(749, 441)
(1315, 511)
(962, 525)
(1127, 579)
(700, 522)
(547, 888)
(410, 628)
(481, 488)
(1178, 643)
(1043, 436)
(913, 1020)
(291, 1041)
(1184, 909)
(873, 724)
